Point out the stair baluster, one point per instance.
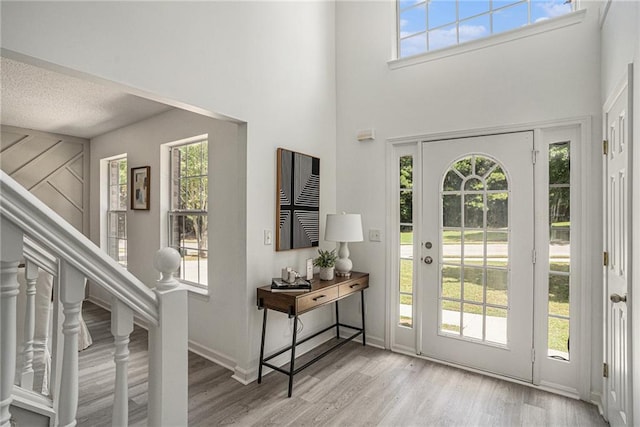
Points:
(72, 283)
(10, 255)
(121, 328)
(31, 277)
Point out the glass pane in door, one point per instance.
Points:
(474, 297)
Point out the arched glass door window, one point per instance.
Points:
(474, 285)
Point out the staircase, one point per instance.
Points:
(31, 231)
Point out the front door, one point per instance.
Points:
(616, 275)
(477, 252)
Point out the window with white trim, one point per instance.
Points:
(117, 210)
(428, 25)
(188, 221)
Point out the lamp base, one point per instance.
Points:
(347, 274)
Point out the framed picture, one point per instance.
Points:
(298, 201)
(140, 188)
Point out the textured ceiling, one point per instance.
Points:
(35, 98)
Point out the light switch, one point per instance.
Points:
(374, 235)
(268, 237)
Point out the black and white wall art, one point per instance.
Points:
(298, 203)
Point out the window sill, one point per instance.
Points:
(530, 30)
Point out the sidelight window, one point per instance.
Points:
(559, 250)
(405, 290)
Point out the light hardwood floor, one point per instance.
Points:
(353, 386)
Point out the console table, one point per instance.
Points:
(294, 304)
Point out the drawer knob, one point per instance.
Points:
(319, 297)
(355, 285)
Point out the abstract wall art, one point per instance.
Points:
(298, 201)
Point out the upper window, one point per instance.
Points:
(428, 25)
(188, 221)
(117, 210)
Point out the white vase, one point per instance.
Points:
(326, 273)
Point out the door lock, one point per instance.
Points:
(428, 260)
(428, 245)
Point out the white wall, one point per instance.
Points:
(553, 75)
(269, 64)
(620, 47)
(146, 230)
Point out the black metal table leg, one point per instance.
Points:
(337, 321)
(364, 339)
(264, 328)
(293, 354)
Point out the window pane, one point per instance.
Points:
(451, 282)
(474, 247)
(443, 37)
(472, 322)
(452, 181)
(475, 28)
(451, 210)
(406, 276)
(473, 211)
(406, 310)
(450, 317)
(497, 281)
(413, 20)
(473, 184)
(441, 12)
(559, 295)
(473, 284)
(469, 8)
(559, 163)
(497, 180)
(406, 172)
(413, 45)
(406, 206)
(546, 9)
(497, 210)
(511, 18)
(452, 246)
(558, 338)
(497, 248)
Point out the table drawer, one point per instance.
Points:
(315, 299)
(355, 286)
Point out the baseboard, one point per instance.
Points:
(247, 376)
(212, 355)
(596, 399)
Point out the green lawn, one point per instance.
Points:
(496, 294)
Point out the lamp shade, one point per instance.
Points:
(343, 228)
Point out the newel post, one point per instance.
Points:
(168, 358)
(10, 255)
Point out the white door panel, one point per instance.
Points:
(478, 212)
(616, 276)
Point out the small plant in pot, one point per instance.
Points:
(327, 262)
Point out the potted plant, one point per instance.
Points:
(326, 261)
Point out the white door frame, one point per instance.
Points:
(588, 200)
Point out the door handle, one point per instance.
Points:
(617, 298)
(428, 260)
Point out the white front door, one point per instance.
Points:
(616, 273)
(477, 247)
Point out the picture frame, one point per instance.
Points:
(297, 200)
(140, 188)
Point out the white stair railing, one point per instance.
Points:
(164, 308)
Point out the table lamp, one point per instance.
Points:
(343, 228)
